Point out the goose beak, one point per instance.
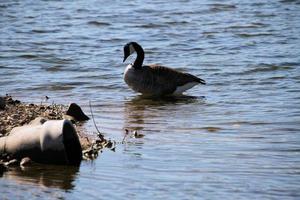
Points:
(202, 81)
(124, 58)
(126, 54)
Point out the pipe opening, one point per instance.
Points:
(72, 145)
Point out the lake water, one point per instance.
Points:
(235, 138)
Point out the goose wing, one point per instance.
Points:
(165, 75)
(166, 80)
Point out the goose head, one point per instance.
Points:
(130, 48)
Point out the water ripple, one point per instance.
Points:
(236, 136)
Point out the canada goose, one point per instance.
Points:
(155, 80)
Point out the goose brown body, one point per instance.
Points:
(155, 80)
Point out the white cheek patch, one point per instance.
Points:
(131, 49)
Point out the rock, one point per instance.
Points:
(3, 168)
(137, 135)
(76, 112)
(2, 103)
(13, 162)
(25, 161)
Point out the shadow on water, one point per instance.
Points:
(141, 108)
(60, 177)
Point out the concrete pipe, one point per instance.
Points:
(53, 142)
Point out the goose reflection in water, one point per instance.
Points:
(142, 111)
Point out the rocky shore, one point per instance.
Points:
(14, 113)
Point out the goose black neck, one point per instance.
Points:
(138, 63)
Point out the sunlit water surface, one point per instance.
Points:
(235, 138)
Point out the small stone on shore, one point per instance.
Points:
(3, 168)
(2, 103)
(13, 162)
(76, 112)
(25, 161)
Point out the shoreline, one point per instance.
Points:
(14, 113)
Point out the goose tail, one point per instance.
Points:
(199, 80)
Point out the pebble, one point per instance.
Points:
(76, 112)
(13, 162)
(2, 103)
(3, 168)
(137, 135)
(25, 161)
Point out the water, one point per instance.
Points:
(235, 138)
